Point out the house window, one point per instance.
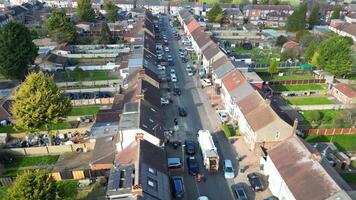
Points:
(152, 171)
(152, 183)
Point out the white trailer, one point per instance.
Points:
(208, 150)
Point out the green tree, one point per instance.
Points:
(275, 2)
(296, 21)
(315, 116)
(105, 36)
(33, 185)
(314, 18)
(263, 2)
(59, 26)
(281, 40)
(335, 55)
(111, 11)
(273, 66)
(336, 13)
(314, 60)
(219, 18)
(310, 50)
(84, 10)
(17, 50)
(214, 12)
(39, 102)
(254, 2)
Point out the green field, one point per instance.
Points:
(343, 142)
(68, 189)
(349, 177)
(310, 101)
(84, 110)
(86, 76)
(297, 87)
(319, 118)
(289, 77)
(57, 126)
(262, 56)
(22, 161)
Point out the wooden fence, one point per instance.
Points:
(331, 131)
(297, 82)
(64, 175)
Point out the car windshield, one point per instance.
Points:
(228, 169)
(241, 193)
(257, 182)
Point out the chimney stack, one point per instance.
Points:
(137, 190)
(295, 125)
(139, 136)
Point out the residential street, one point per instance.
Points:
(200, 115)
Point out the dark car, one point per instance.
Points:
(182, 112)
(193, 168)
(177, 187)
(256, 182)
(190, 147)
(176, 91)
(239, 193)
(184, 59)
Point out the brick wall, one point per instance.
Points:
(331, 131)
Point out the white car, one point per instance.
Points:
(190, 72)
(205, 83)
(173, 72)
(203, 198)
(189, 49)
(164, 101)
(160, 67)
(174, 79)
(223, 116)
(228, 169)
(166, 49)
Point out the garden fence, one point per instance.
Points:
(297, 82)
(331, 131)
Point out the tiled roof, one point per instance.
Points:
(224, 69)
(219, 62)
(272, 7)
(347, 90)
(211, 51)
(303, 172)
(107, 116)
(347, 28)
(290, 44)
(260, 117)
(233, 80)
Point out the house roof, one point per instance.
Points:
(290, 44)
(141, 73)
(109, 115)
(250, 102)
(242, 91)
(149, 43)
(142, 89)
(211, 51)
(347, 28)
(304, 171)
(203, 39)
(53, 58)
(347, 90)
(118, 103)
(260, 116)
(104, 129)
(5, 109)
(233, 80)
(272, 7)
(219, 62)
(198, 32)
(193, 25)
(224, 69)
(104, 151)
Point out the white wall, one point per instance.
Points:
(276, 183)
(129, 136)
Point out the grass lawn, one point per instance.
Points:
(353, 164)
(3, 191)
(86, 76)
(310, 101)
(297, 87)
(291, 77)
(343, 142)
(84, 110)
(326, 118)
(351, 77)
(349, 177)
(261, 56)
(23, 161)
(11, 173)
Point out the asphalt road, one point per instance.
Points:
(198, 117)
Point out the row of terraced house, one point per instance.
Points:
(294, 169)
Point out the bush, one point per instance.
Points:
(228, 130)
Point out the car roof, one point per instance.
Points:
(173, 160)
(228, 163)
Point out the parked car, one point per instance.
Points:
(239, 193)
(190, 72)
(174, 79)
(172, 72)
(205, 83)
(201, 72)
(228, 169)
(164, 101)
(192, 163)
(184, 59)
(189, 49)
(166, 49)
(177, 187)
(174, 163)
(190, 147)
(223, 116)
(203, 198)
(176, 91)
(256, 182)
(182, 112)
(160, 67)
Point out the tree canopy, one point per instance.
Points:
(336, 13)
(310, 50)
(111, 11)
(17, 51)
(60, 27)
(314, 18)
(105, 36)
(334, 55)
(281, 40)
(273, 66)
(215, 13)
(39, 102)
(33, 185)
(84, 10)
(296, 21)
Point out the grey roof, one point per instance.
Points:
(224, 69)
(149, 43)
(103, 129)
(211, 51)
(103, 155)
(241, 92)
